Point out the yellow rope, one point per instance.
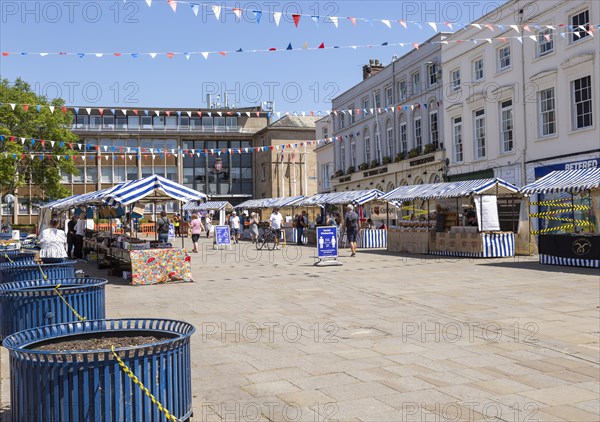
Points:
(79, 317)
(136, 380)
(8, 257)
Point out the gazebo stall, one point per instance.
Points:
(367, 238)
(567, 210)
(447, 234)
(204, 208)
(284, 202)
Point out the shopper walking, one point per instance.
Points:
(351, 225)
(276, 221)
(79, 235)
(208, 223)
(234, 223)
(254, 226)
(195, 230)
(176, 224)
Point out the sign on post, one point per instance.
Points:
(327, 246)
(222, 236)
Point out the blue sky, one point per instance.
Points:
(296, 80)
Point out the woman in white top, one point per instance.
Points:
(53, 242)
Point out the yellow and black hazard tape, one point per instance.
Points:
(551, 202)
(570, 220)
(136, 380)
(554, 212)
(553, 229)
(79, 317)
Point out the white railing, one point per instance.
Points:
(151, 128)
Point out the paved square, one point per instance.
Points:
(382, 338)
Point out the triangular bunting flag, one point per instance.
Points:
(334, 20)
(433, 25)
(277, 17)
(195, 9)
(386, 23)
(257, 15)
(289, 47)
(296, 18)
(217, 11)
(205, 54)
(238, 12)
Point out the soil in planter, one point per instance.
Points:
(99, 343)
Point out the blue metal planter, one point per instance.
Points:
(23, 271)
(89, 385)
(16, 256)
(31, 304)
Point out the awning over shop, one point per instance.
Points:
(282, 202)
(207, 206)
(357, 197)
(450, 190)
(158, 186)
(571, 181)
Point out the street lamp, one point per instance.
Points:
(9, 200)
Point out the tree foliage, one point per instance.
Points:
(17, 167)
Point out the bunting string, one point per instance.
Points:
(256, 16)
(121, 112)
(289, 48)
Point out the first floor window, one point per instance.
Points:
(418, 135)
(353, 154)
(433, 129)
(390, 142)
(457, 139)
(506, 126)
(547, 112)
(479, 134)
(581, 25)
(377, 147)
(367, 149)
(504, 57)
(545, 42)
(582, 102)
(326, 176)
(455, 77)
(403, 138)
(343, 157)
(478, 69)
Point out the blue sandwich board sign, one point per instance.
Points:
(327, 242)
(222, 235)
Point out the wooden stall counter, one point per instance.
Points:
(410, 241)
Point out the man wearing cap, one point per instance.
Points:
(351, 224)
(234, 222)
(276, 221)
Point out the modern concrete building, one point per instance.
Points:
(525, 103)
(138, 143)
(388, 127)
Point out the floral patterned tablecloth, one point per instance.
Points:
(153, 266)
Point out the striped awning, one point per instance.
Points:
(570, 181)
(56, 204)
(157, 186)
(450, 190)
(286, 201)
(357, 197)
(207, 206)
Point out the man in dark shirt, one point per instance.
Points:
(71, 235)
(162, 227)
(351, 224)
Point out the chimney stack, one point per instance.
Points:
(372, 68)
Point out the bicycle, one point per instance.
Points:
(266, 238)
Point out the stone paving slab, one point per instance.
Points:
(382, 338)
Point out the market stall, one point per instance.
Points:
(335, 202)
(453, 218)
(567, 212)
(206, 208)
(286, 205)
(146, 262)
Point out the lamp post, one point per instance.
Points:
(9, 200)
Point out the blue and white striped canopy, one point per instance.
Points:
(158, 186)
(286, 201)
(356, 197)
(450, 190)
(56, 204)
(571, 181)
(207, 206)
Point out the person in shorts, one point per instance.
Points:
(195, 229)
(276, 221)
(351, 224)
(234, 223)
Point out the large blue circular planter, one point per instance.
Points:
(23, 271)
(16, 256)
(35, 303)
(89, 385)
